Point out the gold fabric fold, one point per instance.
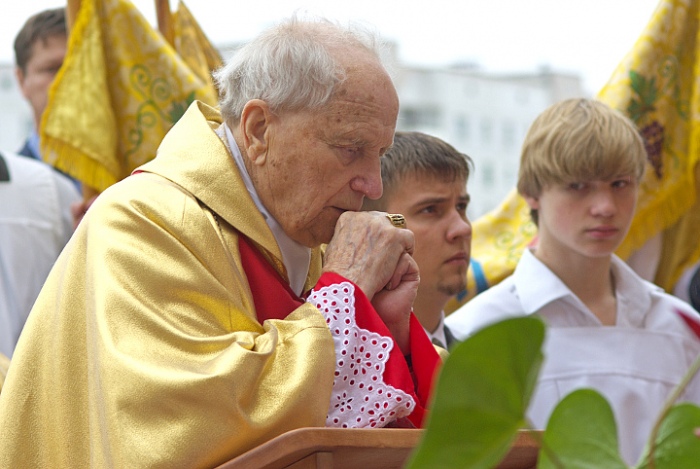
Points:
(143, 349)
(120, 89)
(656, 85)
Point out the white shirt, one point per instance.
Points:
(634, 364)
(296, 258)
(438, 336)
(35, 225)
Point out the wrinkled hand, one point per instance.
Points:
(369, 251)
(395, 302)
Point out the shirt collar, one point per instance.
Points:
(633, 294)
(439, 333)
(296, 257)
(537, 286)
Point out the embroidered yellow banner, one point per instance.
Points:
(193, 45)
(121, 88)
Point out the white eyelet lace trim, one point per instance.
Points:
(360, 397)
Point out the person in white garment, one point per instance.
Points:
(607, 328)
(35, 225)
(425, 179)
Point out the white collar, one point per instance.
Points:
(296, 257)
(537, 286)
(439, 333)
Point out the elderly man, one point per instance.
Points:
(425, 178)
(190, 318)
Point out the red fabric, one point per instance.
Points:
(273, 297)
(397, 374)
(426, 363)
(692, 322)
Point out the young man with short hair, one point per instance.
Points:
(608, 329)
(40, 47)
(425, 179)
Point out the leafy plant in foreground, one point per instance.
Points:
(482, 396)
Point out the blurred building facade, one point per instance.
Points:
(482, 114)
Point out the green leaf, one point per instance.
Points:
(178, 109)
(650, 98)
(581, 434)
(481, 396)
(677, 445)
(637, 83)
(635, 110)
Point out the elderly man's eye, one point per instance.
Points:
(352, 153)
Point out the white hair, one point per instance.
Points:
(291, 66)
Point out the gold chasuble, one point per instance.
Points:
(178, 376)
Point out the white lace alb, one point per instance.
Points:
(360, 396)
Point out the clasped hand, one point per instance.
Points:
(369, 251)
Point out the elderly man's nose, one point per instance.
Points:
(369, 182)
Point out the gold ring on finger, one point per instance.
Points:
(396, 219)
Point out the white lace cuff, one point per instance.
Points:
(360, 396)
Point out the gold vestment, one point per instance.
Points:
(143, 349)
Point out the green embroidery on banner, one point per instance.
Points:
(158, 108)
(643, 107)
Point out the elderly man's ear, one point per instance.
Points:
(256, 121)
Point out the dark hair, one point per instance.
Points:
(41, 26)
(416, 153)
(694, 290)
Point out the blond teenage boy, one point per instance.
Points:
(608, 329)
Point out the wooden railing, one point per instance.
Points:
(335, 448)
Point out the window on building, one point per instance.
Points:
(522, 96)
(6, 82)
(510, 174)
(462, 128)
(486, 130)
(408, 118)
(414, 118)
(508, 134)
(487, 174)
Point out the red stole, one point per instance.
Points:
(274, 299)
(272, 295)
(690, 321)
